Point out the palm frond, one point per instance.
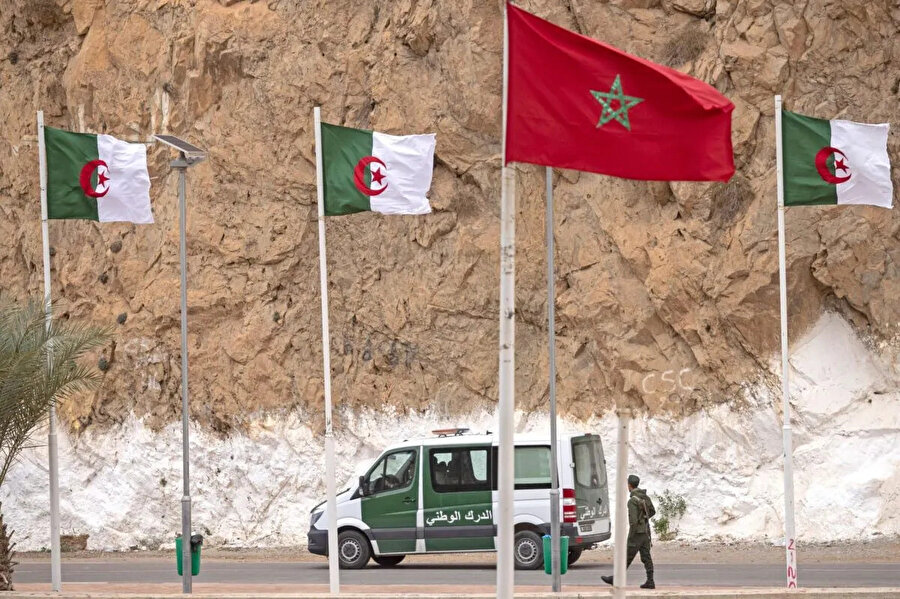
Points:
(38, 366)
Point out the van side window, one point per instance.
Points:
(532, 467)
(393, 471)
(455, 469)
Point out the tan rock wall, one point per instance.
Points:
(651, 277)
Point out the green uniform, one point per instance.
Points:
(640, 510)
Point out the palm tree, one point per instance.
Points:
(38, 366)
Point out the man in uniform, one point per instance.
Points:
(640, 510)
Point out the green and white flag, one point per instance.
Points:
(365, 170)
(835, 162)
(96, 177)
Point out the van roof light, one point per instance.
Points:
(450, 432)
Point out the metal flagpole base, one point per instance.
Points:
(555, 555)
(55, 556)
(186, 579)
(620, 547)
(334, 566)
(790, 541)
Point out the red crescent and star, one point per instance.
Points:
(839, 165)
(377, 175)
(84, 178)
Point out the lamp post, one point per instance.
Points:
(188, 155)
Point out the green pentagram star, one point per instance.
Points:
(606, 100)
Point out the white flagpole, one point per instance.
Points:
(790, 547)
(620, 538)
(331, 498)
(55, 560)
(504, 516)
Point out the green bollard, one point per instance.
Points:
(195, 555)
(563, 555)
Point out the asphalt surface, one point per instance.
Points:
(138, 571)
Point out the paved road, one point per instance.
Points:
(588, 574)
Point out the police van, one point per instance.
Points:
(439, 495)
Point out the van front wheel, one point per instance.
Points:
(529, 550)
(353, 550)
(388, 561)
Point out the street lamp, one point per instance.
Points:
(188, 155)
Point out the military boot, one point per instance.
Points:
(649, 584)
(607, 579)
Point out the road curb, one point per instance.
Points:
(831, 593)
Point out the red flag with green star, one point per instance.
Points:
(574, 102)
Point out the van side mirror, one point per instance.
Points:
(362, 485)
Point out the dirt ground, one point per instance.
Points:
(879, 550)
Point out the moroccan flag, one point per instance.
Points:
(573, 102)
(365, 170)
(96, 177)
(834, 162)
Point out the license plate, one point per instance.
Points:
(587, 526)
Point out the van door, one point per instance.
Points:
(591, 492)
(391, 500)
(456, 497)
(531, 481)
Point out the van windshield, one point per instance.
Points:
(353, 480)
(587, 453)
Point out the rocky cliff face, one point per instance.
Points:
(654, 279)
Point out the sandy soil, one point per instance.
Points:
(881, 550)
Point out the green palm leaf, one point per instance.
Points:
(38, 366)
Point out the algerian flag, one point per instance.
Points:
(835, 162)
(96, 177)
(365, 170)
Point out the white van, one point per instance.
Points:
(439, 495)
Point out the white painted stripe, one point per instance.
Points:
(128, 198)
(865, 146)
(408, 163)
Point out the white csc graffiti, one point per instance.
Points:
(669, 381)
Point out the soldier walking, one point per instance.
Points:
(640, 510)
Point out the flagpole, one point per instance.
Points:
(505, 461)
(555, 566)
(181, 165)
(620, 538)
(790, 547)
(331, 496)
(53, 449)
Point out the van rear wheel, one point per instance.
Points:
(529, 550)
(353, 550)
(388, 561)
(574, 554)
